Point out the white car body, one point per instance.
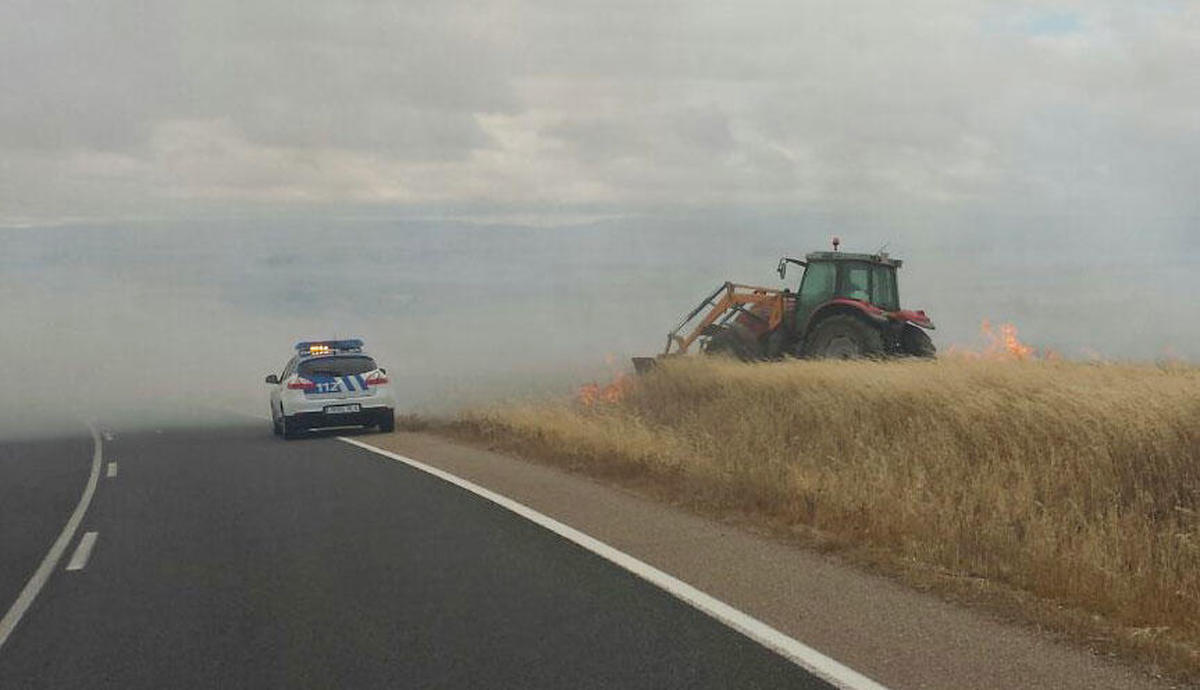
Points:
(330, 383)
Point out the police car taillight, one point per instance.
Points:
(301, 383)
(376, 379)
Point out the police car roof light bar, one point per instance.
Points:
(330, 346)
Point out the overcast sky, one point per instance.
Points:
(139, 109)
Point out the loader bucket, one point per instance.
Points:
(643, 365)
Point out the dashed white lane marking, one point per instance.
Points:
(806, 657)
(39, 577)
(111, 471)
(82, 552)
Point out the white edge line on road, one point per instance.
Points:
(83, 552)
(810, 659)
(44, 570)
(112, 470)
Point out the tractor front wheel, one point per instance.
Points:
(843, 336)
(915, 342)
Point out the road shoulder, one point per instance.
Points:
(899, 636)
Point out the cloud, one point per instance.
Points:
(871, 104)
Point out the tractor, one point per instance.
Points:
(845, 306)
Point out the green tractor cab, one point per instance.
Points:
(848, 305)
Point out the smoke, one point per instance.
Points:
(1032, 164)
(157, 324)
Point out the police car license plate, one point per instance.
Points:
(341, 409)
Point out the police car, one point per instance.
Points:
(330, 383)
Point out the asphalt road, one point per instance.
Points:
(227, 558)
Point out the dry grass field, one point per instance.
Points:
(1072, 486)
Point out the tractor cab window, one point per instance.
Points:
(856, 282)
(883, 288)
(817, 285)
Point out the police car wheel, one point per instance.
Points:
(387, 423)
(291, 429)
(275, 428)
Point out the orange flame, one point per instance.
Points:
(1000, 342)
(1005, 342)
(612, 392)
(592, 393)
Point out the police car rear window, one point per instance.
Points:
(337, 366)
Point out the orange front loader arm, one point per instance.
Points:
(727, 302)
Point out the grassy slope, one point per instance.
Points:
(1074, 485)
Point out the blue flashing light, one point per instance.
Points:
(327, 347)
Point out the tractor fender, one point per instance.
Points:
(916, 318)
(841, 305)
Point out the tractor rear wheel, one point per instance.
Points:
(843, 336)
(915, 342)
